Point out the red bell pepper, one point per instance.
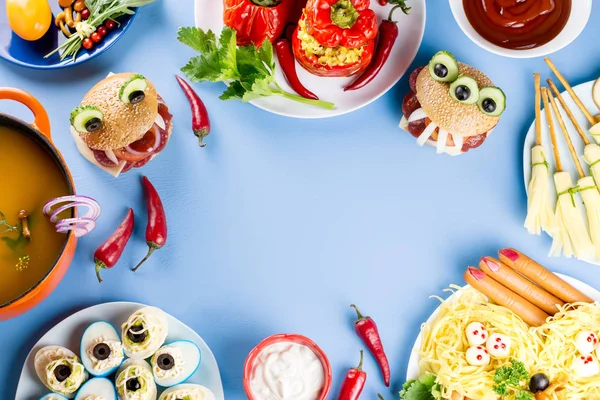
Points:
(257, 20)
(311, 63)
(348, 23)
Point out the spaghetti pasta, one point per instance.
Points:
(548, 349)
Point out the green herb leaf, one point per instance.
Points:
(197, 39)
(228, 54)
(234, 91)
(203, 68)
(424, 388)
(524, 396)
(512, 379)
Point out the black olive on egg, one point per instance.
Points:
(62, 372)
(539, 383)
(133, 385)
(101, 351)
(137, 334)
(165, 362)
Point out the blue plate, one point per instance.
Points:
(31, 54)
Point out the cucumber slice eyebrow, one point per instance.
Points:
(86, 119)
(465, 90)
(132, 91)
(492, 101)
(443, 67)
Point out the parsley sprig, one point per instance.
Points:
(512, 379)
(424, 388)
(248, 71)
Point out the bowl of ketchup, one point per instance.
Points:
(522, 28)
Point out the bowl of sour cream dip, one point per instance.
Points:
(288, 367)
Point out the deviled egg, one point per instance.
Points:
(97, 389)
(135, 381)
(175, 363)
(187, 391)
(101, 349)
(144, 332)
(60, 370)
(53, 396)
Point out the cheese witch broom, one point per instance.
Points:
(591, 152)
(585, 186)
(595, 125)
(571, 237)
(540, 215)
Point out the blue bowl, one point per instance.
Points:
(31, 54)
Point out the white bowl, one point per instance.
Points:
(580, 14)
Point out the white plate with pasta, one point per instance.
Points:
(526, 350)
(68, 332)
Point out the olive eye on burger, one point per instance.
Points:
(451, 106)
(121, 123)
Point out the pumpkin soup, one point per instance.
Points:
(29, 243)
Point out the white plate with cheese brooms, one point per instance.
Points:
(517, 332)
(124, 351)
(562, 168)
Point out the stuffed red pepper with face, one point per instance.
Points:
(335, 38)
(257, 20)
(451, 106)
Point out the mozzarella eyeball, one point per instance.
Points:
(476, 333)
(478, 356)
(586, 366)
(586, 342)
(498, 345)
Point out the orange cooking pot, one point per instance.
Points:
(39, 131)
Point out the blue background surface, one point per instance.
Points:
(279, 224)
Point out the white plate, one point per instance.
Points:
(67, 333)
(209, 15)
(580, 14)
(584, 91)
(413, 370)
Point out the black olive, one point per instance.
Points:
(488, 105)
(93, 125)
(462, 92)
(440, 70)
(62, 372)
(137, 96)
(136, 337)
(133, 385)
(538, 383)
(165, 362)
(101, 351)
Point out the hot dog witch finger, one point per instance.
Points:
(541, 276)
(502, 296)
(520, 285)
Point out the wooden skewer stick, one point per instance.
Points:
(550, 122)
(562, 80)
(565, 132)
(538, 101)
(568, 111)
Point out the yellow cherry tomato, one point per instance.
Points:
(30, 19)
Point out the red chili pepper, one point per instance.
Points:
(367, 330)
(156, 231)
(200, 120)
(354, 382)
(383, 2)
(388, 33)
(285, 55)
(109, 252)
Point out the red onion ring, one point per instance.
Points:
(80, 226)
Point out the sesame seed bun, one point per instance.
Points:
(123, 123)
(451, 115)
